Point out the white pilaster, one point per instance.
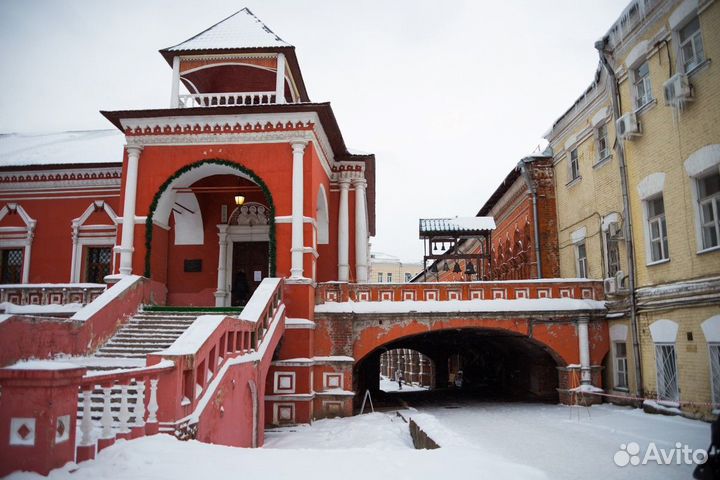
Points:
(221, 292)
(584, 344)
(343, 232)
(175, 88)
(361, 230)
(280, 79)
(128, 226)
(296, 268)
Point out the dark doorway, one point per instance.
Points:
(249, 267)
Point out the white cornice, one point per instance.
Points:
(242, 129)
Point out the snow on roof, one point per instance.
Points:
(240, 30)
(89, 146)
(454, 306)
(457, 224)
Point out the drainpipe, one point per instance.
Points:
(532, 186)
(628, 230)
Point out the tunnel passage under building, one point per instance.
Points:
(495, 364)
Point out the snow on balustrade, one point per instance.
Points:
(454, 306)
(230, 99)
(107, 297)
(33, 295)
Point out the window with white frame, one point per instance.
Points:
(603, 147)
(667, 375)
(581, 256)
(621, 363)
(574, 165)
(714, 350)
(643, 88)
(657, 229)
(389, 277)
(408, 277)
(708, 192)
(691, 45)
(11, 265)
(380, 277)
(98, 262)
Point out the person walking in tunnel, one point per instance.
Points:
(459, 379)
(399, 377)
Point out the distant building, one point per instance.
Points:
(386, 268)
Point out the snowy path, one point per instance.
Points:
(387, 385)
(372, 446)
(565, 442)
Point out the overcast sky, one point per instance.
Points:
(448, 95)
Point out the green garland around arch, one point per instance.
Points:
(252, 175)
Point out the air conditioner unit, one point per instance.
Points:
(614, 230)
(677, 90)
(609, 286)
(628, 126)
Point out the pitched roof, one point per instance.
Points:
(462, 225)
(61, 148)
(240, 30)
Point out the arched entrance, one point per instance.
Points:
(496, 364)
(206, 248)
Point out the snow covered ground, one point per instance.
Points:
(566, 442)
(387, 385)
(479, 441)
(365, 447)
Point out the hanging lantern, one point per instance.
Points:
(457, 268)
(239, 200)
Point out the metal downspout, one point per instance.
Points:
(628, 229)
(536, 224)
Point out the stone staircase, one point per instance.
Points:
(148, 331)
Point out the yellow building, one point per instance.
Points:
(386, 268)
(662, 92)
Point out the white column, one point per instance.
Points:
(124, 414)
(280, 79)
(343, 232)
(296, 268)
(107, 417)
(221, 292)
(139, 410)
(153, 403)
(175, 88)
(86, 422)
(361, 230)
(128, 226)
(584, 344)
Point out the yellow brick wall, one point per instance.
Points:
(692, 356)
(664, 146)
(586, 201)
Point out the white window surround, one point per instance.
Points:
(664, 331)
(652, 185)
(685, 10)
(711, 329)
(18, 236)
(641, 86)
(655, 227)
(83, 236)
(280, 385)
(602, 142)
(573, 158)
(581, 263)
(285, 407)
(699, 164)
(620, 365)
(618, 333)
(578, 235)
(637, 55)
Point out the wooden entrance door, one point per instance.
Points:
(249, 267)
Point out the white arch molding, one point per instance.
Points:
(322, 218)
(92, 235)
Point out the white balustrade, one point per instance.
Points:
(139, 410)
(107, 418)
(124, 415)
(229, 99)
(153, 404)
(86, 425)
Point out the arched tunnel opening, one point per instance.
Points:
(479, 364)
